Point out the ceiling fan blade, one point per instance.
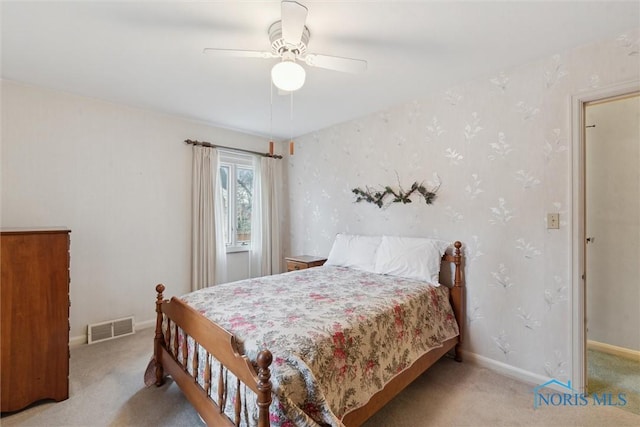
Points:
(337, 63)
(238, 53)
(294, 16)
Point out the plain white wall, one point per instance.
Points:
(613, 220)
(120, 179)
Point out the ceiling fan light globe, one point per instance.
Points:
(288, 75)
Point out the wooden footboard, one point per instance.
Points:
(220, 344)
(174, 315)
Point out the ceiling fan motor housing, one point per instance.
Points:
(280, 47)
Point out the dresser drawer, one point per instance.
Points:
(294, 265)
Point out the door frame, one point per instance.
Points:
(578, 228)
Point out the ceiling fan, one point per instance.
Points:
(289, 39)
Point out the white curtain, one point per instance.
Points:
(208, 251)
(266, 251)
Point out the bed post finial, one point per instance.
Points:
(157, 340)
(458, 298)
(264, 387)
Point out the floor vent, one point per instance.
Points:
(109, 330)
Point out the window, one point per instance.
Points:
(236, 179)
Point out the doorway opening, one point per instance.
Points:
(579, 277)
(612, 227)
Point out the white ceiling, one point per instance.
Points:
(148, 54)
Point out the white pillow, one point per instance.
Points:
(353, 251)
(411, 257)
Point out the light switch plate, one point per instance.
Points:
(553, 221)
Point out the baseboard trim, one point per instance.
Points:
(614, 350)
(151, 323)
(79, 340)
(509, 371)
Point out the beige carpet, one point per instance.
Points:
(106, 389)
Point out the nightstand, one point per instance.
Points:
(300, 262)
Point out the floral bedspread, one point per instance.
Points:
(337, 335)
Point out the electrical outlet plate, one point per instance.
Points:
(553, 221)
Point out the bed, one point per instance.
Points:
(328, 345)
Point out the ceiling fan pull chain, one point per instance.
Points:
(291, 127)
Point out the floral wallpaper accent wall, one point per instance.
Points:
(500, 149)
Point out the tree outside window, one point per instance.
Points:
(236, 180)
(244, 195)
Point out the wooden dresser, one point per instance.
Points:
(300, 262)
(35, 316)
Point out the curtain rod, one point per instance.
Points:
(208, 144)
